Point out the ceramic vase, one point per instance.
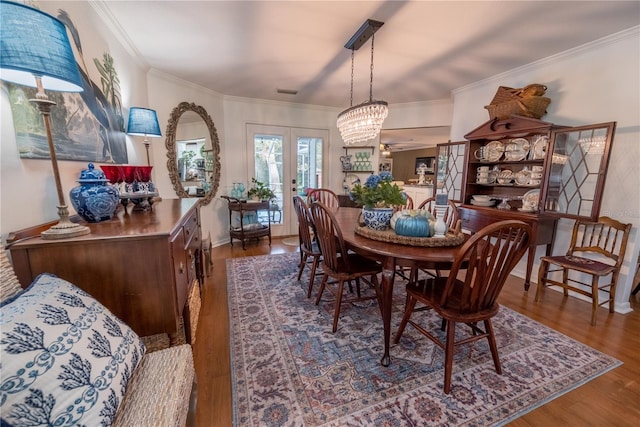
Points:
(440, 227)
(94, 199)
(377, 218)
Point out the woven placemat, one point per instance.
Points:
(390, 236)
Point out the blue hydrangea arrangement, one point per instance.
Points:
(378, 191)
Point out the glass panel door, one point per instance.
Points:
(577, 159)
(287, 160)
(450, 164)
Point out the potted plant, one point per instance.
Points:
(379, 197)
(260, 191)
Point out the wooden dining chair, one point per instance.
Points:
(409, 204)
(607, 240)
(451, 219)
(309, 248)
(324, 196)
(469, 294)
(337, 266)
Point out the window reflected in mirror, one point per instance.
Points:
(193, 151)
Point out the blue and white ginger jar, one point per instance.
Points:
(377, 218)
(94, 199)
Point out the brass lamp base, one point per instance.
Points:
(64, 229)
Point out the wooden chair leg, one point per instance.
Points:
(542, 275)
(594, 300)
(312, 279)
(303, 261)
(411, 303)
(336, 310)
(612, 292)
(448, 355)
(322, 286)
(493, 346)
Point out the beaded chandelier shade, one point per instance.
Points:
(362, 122)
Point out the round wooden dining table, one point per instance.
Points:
(390, 255)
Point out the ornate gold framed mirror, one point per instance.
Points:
(193, 152)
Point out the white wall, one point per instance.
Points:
(591, 84)
(165, 93)
(28, 193)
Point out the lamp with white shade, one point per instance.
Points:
(144, 122)
(35, 51)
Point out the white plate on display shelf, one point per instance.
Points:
(517, 149)
(488, 204)
(539, 148)
(531, 198)
(527, 210)
(349, 181)
(494, 151)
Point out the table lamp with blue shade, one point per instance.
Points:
(144, 122)
(35, 51)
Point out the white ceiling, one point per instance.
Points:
(425, 49)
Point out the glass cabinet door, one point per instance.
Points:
(451, 164)
(577, 160)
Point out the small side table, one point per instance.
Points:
(245, 231)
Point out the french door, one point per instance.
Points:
(288, 160)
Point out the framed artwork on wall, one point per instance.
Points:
(386, 165)
(428, 162)
(86, 126)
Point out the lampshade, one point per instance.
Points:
(35, 43)
(143, 121)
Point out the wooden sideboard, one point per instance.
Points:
(140, 265)
(543, 227)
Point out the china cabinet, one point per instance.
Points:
(526, 169)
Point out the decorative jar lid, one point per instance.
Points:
(92, 175)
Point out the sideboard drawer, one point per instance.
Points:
(473, 220)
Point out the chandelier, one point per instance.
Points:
(362, 122)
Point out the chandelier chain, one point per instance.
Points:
(373, 38)
(351, 98)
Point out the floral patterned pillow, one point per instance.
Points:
(66, 360)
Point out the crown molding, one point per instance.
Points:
(630, 33)
(105, 15)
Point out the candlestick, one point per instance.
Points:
(442, 199)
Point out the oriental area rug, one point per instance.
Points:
(288, 369)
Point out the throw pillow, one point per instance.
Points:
(66, 359)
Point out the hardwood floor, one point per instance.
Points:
(613, 399)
